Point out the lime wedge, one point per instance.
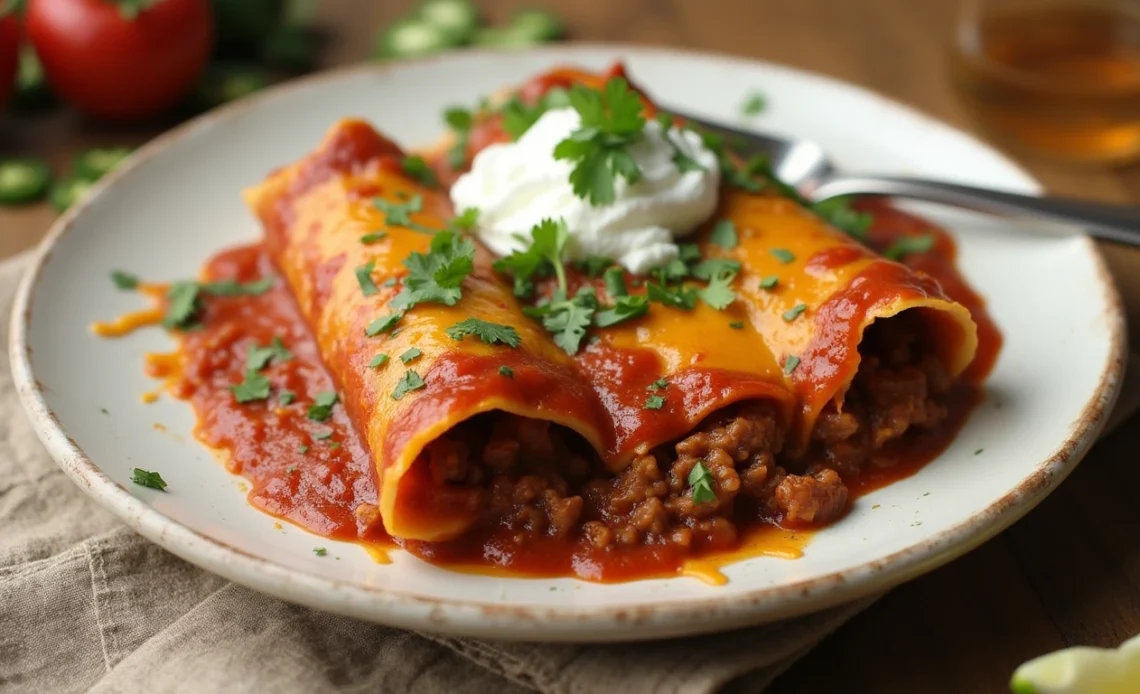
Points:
(1082, 670)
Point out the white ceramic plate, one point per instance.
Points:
(178, 202)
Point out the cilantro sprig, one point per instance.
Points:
(185, 298)
(436, 276)
(491, 333)
(599, 149)
(700, 481)
(398, 214)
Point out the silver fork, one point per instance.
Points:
(804, 165)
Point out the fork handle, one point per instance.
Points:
(1106, 221)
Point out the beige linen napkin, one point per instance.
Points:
(88, 605)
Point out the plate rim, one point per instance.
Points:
(570, 622)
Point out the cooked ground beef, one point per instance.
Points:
(541, 480)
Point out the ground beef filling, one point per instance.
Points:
(539, 479)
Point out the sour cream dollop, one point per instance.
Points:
(518, 184)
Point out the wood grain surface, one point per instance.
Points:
(1069, 573)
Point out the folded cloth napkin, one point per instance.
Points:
(88, 605)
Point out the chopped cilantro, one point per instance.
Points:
(599, 149)
(255, 386)
(466, 221)
(398, 214)
(673, 271)
(491, 333)
(736, 325)
(706, 269)
(320, 551)
(124, 280)
(979, 451)
(658, 384)
(334, 445)
(790, 363)
(374, 237)
(408, 382)
(700, 481)
(794, 312)
(378, 361)
(518, 117)
(837, 211)
(322, 406)
(259, 357)
(415, 166)
(287, 397)
(625, 308)
(769, 282)
(908, 245)
(594, 265)
(185, 304)
(437, 275)
(724, 234)
(460, 121)
(567, 319)
(146, 478)
(689, 253)
(383, 323)
(718, 294)
(544, 255)
(364, 278)
(684, 298)
(410, 355)
(753, 104)
(390, 282)
(681, 160)
(783, 255)
(614, 279)
(322, 435)
(654, 402)
(235, 288)
(507, 371)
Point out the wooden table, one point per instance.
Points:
(1069, 573)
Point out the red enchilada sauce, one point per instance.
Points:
(319, 475)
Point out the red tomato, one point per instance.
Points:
(9, 55)
(109, 66)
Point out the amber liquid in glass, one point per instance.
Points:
(1061, 80)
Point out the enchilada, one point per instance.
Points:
(569, 416)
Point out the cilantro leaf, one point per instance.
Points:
(567, 320)
(658, 384)
(769, 281)
(724, 235)
(322, 406)
(398, 214)
(599, 149)
(614, 279)
(410, 355)
(700, 481)
(718, 294)
(259, 357)
(323, 435)
(707, 268)
(374, 237)
(185, 305)
(364, 278)
(908, 245)
(460, 120)
(625, 308)
(594, 265)
(146, 478)
(491, 333)
(378, 361)
(124, 280)
(506, 371)
(287, 397)
(544, 255)
(415, 166)
(466, 221)
(235, 288)
(255, 386)
(408, 382)
(736, 325)
(753, 104)
(320, 551)
(783, 255)
(790, 363)
(794, 312)
(654, 402)
(684, 298)
(838, 212)
(383, 323)
(436, 275)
